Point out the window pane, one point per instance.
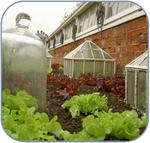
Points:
(87, 54)
(58, 38)
(78, 55)
(97, 54)
(99, 67)
(89, 67)
(145, 62)
(123, 6)
(109, 68)
(141, 91)
(78, 67)
(68, 32)
(87, 19)
(130, 87)
(106, 56)
(111, 9)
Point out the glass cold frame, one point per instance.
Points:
(89, 58)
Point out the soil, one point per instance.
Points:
(75, 124)
(117, 103)
(64, 116)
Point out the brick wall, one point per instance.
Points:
(124, 42)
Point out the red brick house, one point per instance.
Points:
(124, 32)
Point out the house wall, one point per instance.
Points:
(124, 42)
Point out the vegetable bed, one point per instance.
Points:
(83, 109)
(62, 88)
(75, 124)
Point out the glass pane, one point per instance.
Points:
(123, 6)
(109, 68)
(141, 91)
(130, 87)
(89, 67)
(70, 67)
(85, 46)
(58, 38)
(106, 56)
(111, 9)
(94, 47)
(78, 54)
(97, 54)
(78, 68)
(92, 16)
(99, 67)
(65, 67)
(68, 32)
(87, 54)
(145, 62)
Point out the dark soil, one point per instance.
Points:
(64, 116)
(117, 103)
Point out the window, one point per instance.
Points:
(58, 38)
(68, 32)
(113, 8)
(123, 6)
(51, 43)
(87, 19)
(54, 42)
(92, 17)
(48, 44)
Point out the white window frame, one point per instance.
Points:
(82, 19)
(58, 39)
(68, 29)
(121, 14)
(51, 43)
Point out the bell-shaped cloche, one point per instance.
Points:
(24, 60)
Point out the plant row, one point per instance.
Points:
(102, 124)
(62, 86)
(105, 126)
(22, 122)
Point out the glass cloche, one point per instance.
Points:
(24, 64)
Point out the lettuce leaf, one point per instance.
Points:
(85, 104)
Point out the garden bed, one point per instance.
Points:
(75, 124)
(61, 88)
(78, 109)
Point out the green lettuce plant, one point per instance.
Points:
(22, 122)
(86, 104)
(125, 125)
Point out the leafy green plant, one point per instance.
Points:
(85, 104)
(80, 136)
(125, 125)
(49, 70)
(21, 100)
(22, 122)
